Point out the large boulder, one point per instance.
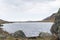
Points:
(44, 34)
(19, 34)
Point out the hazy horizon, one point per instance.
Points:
(26, 10)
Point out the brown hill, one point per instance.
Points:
(3, 21)
(47, 19)
(50, 18)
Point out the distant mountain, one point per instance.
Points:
(47, 19)
(3, 21)
(50, 18)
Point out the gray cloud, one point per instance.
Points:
(13, 2)
(38, 0)
(22, 2)
(30, 9)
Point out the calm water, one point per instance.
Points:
(30, 29)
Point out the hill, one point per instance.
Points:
(47, 19)
(3, 21)
(50, 18)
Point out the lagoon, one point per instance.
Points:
(29, 28)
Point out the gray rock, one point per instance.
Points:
(55, 29)
(19, 34)
(44, 34)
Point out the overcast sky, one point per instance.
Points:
(18, 10)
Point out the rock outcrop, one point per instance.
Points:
(56, 24)
(55, 29)
(3, 32)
